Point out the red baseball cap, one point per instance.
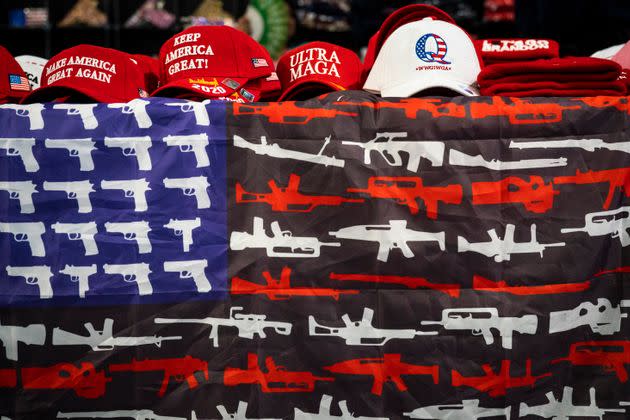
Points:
(213, 62)
(13, 81)
(316, 68)
(97, 73)
(407, 14)
(151, 69)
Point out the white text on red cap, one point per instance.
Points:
(63, 68)
(314, 61)
(191, 37)
(187, 51)
(507, 45)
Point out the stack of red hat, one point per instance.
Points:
(216, 62)
(571, 76)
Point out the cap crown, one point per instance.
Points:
(322, 63)
(425, 54)
(103, 74)
(213, 51)
(400, 17)
(33, 67)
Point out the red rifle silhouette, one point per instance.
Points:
(486, 285)
(289, 199)
(534, 194)
(616, 178)
(8, 378)
(388, 368)
(412, 106)
(276, 379)
(497, 384)
(287, 112)
(84, 380)
(621, 103)
(407, 190)
(612, 355)
(410, 282)
(281, 289)
(179, 369)
(520, 112)
(624, 269)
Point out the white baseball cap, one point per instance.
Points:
(608, 53)
(422, 55)
(33, 66)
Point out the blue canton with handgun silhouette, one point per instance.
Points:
(102, 205)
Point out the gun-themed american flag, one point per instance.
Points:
(341, 258)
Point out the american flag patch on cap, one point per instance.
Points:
(17, 82)
(259, 62)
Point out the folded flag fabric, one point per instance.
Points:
(506, 50)
(615, 88)
(604, 77)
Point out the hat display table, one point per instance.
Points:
(313, 259)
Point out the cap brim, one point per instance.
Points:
(416, 86)
(373, 82)
(202, 89)
(371, 86)
(317, 88)
(269, 88)
(15, 96)
(186, 89)
(51, 93)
